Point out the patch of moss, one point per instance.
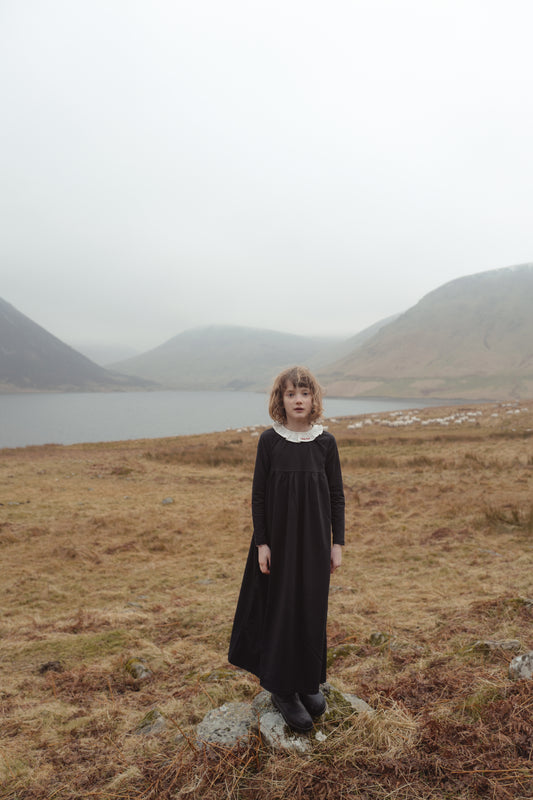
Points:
(11, 769)
(339, 651)
(475, 703)
(73, 647)
(220, 674)
(338, 711)
(152, 722)
(137, 668)
(378, 638)
(521, 602)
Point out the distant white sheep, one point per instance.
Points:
(398, 419)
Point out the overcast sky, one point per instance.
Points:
(306, 166)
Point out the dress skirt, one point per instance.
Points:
(279, 630)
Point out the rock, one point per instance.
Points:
(523, 601)
(276, 734)
(231, 724)
(153, 722)
(521, 667)
(358, 705)
(137, 669)
(227, 726)
(341, 705)
(378, 639)
(262, 702)
(491, 645)
(51, 666)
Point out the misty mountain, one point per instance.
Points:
(105, 354)
(228, 357)
(471, 338)
(347, 347)
(31, 359)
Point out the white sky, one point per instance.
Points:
(306, 166)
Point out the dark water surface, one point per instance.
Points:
(27, 419)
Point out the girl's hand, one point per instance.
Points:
(336, 558)
(263, 552)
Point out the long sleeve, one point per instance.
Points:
(336, 491)
(262, 467)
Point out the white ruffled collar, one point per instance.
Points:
(298, 436)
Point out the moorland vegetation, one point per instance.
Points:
(135, 549)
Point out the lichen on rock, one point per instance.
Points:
(227, 726)
(521, 667)
(152, 722)
(137, 668)
(488, 646)
(231, 724)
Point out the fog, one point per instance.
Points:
(302, 166)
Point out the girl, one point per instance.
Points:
(279, 630)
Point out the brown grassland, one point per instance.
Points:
(96, 569)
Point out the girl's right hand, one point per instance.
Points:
(263, 552)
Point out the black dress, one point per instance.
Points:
(279, 630)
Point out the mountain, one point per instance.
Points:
(345, 348)
(335, 349)
(471, 338)
(226, 357)
(104, 354)
(31, 359)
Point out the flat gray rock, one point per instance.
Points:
(227, 725)
(492, 645)
(276, 734)
(357, 704)
(231, 724)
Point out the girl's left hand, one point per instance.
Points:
(336, 558)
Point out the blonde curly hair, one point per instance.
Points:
(298, 376)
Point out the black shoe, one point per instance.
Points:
(293, 712)
(314, 703)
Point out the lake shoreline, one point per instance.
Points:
(83, 417)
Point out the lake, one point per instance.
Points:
(33, 419)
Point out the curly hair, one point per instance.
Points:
(298, 376)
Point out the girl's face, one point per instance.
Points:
(297, 402)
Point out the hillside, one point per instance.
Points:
(104, 354)
(471, 338)
(226, 357)
(132, 553)
(31, 359)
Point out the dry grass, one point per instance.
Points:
(96, 570)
